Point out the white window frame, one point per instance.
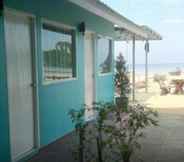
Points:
(62, 26)
(111, 72)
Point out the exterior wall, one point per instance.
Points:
(56, 99)
(105, 88)
(4, 135)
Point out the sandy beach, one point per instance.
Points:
(154, 98)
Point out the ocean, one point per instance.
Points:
(158, 68)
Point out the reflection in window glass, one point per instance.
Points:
(58, 53)
(104, 55)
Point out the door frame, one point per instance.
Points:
(34, 61)
(93, 41)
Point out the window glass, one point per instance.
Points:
(104, 55)
(58, 51)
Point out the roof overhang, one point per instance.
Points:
(124, 35)
(127, 28)
(151, 34)
(100, 9)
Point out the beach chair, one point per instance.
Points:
(165, 89)
(178, 71)
(140, 84)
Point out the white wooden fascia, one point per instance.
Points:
(112, 17)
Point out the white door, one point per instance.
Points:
(89, 74)
(20, 79)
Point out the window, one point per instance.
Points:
(59, 54)
(104, 55)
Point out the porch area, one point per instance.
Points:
(164, 143)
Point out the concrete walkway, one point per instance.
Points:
(166, 142)
(161, 144)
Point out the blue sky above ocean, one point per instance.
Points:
(164, 16)
(162, 68)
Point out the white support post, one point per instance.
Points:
(146, 73)
(133, 69)
(146, 65)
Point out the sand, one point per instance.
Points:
(153, 98)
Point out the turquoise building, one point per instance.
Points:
(54, 56)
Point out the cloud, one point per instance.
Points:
(174, 20)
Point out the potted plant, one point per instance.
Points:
(102, 110)
(77, 117)
(127, 131)
(127, 123)
(122, 83)
(90, 133)
(130, 119)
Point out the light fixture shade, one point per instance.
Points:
(82, 27)
(1, 7)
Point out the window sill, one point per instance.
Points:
(46, 83)
(105, 74)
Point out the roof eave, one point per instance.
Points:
(124, 35)
(102, 10)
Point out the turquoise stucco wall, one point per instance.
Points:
(105, 88)
(4, 133)
(55, 100)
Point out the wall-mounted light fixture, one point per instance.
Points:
(82, 27)
(1, 7)
(119, 29)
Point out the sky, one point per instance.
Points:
(165, 17)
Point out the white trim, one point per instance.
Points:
(35, 93)
(57, 24)
(95, 75)
(90, 32)
(24, 155)
(36, 80)
(92, 37)
(110, 72)
(94, 69)
(17, 13)
(46, 83)
(133, 68)
(104, 36)
(100, 9)
(105, 74)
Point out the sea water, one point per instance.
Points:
(157, 68)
